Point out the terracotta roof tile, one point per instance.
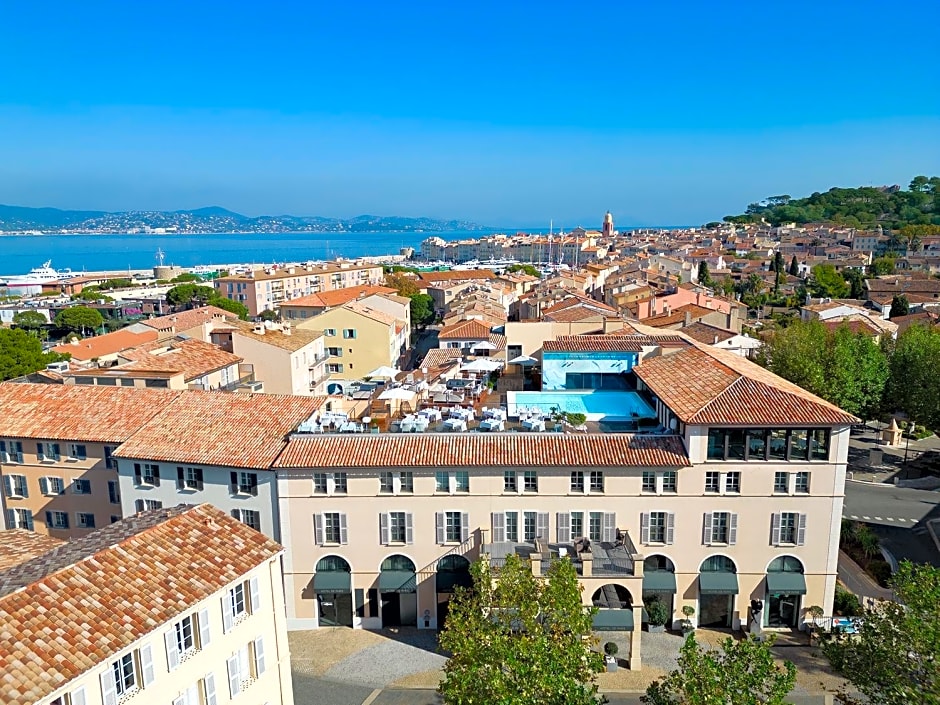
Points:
(438, 357)
(445, 450)
(455, 275)
(471, 329)
(192, 357)
(79, 604)
(216, 428)
(705, 385)
(298, 338)
(79, 413)
(107, 344)
(337, 297)
(370, 312)
(187, 320)
(20, 545)
(705, 333)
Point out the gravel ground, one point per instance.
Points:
(309, 690)
(317, 650)
(396, 656)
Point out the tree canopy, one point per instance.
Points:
(520, 639)
(31, 321)
(403, 283)
(742, 673)
(894, 659)
(864, 207)
(21, 354)
(422, 310)
(826, 281)
(900, 306)
(187, 294)
(529, 269)
(914, 382)
(79, 319)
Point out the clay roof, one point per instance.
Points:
(299, 336)
(705, 385)
(369, 312)
(192, 357)
(471, 329)
(215, 428)
(896, 284)
(107, 344)
(337, 297)
(856, 324)
(20, 545)
(97, 414)
(500, 450)
(71, 609)
(187, 320)
(705, 333)
(599, 343)
(455, 275)
(438, 357)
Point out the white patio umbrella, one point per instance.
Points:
(396, 393)
(482, 365)
(384, 371)
(523, 360)
(485, 345)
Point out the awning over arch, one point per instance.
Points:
(397, 581)
(332, 581)
(613, 620)
(786, 583)
(659, 581)
(718, 583)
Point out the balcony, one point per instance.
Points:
(319, 359)
(591, 559)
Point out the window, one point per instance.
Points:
(509, 481)
(125, 674)
(330, 528)
(349, 333)
(329, 332)
(396, 527)
(189, 478)
(334, 368)
(244, 483)
(712, 482)
(458, 481)
(241, 600)
(577, 525)
(386, 482)
(597, 481)
(115, 518)
(442, 482)
(319, 483)
(577, 481)
(114, 492)
(657, 527)
(81, 486)
(512, 527)
(335, 352)
(530, 526)
(733, 483)
(462, 478)
(788, 528)
(781, 482)
(778, 444)
(147, 505)
(453, 527)
(48, 452)
(720, 528)
(595, 526)
(57, 520)
(20, 519)
(14, 486)
(183, 637)
(245, 665)
(407, 482)
(819, 444)
(85, 520)
(649, 481)
(801, 483)
(670, 482)
(109, 461)
(77, 451)
(530, 481)
(395, 482)
(756, 444)
(249, 517)
(147, 474)
(11, 451)
(799, 444)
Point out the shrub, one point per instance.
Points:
(845, 603)
(657, 613)
(611, 649)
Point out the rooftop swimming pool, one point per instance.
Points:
(596, 405)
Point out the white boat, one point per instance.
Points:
(37, 276)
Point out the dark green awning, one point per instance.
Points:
(397, 581)
(659, 581)
(448, 580)
(332, 581)
(718, 583)
(613, 620)
(786, 583)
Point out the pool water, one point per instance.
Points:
(593, 404)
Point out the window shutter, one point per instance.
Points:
(209, 685)
(234, 684)
(56, 452)
(228, 617)
(409, 528)
(156, 476)
(25, 488)
(48, 520)
(8, 485)
(78, 697)
(204, 636)
(139, 505)
(670, 527)
(343, 533)
(254, 485)
(439, 526)
(146, 665)
(541, 526)
(520, 482)
(464, 526)
(707, 529)
(801, 530)
(137, 474)
(451, 482)
(44, 485)
(40, 454)
(318, 529)
(11, 519)
(172, 649)
(180, 482)
(233, 483)
(65, 520)
(644, 527)
(563, 527)
(199, 484)
(259, 656)
(29, 519)
(732, 529)
(384, 536)
(108, 688)
(610, 527)
(775, 529)
(499, 527)
(254, 593)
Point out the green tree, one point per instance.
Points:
(900, 306)
(21, 354)
(32, 322)
(185, 278)
(190, 294)
(856, 281)
(518, 639)
(826, 281)
(525, 269)
(794, 267)
(236, 307)
(268, 315)
(89, 294)
(403, 283)
(914, 381)
(704, 276)
(881, 266)
(422, 310)
(894, 659)
(741, 673)
(79, 319)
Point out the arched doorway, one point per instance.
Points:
(615, 608)
(398, 592)
(659, 583)
(786, 586)
(452, 572)
(332, 583)
(717, 588)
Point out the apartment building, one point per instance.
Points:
(737, 496)
(315, 304)
(181, 606)
(266, 289)
(215, 448)
(57, 445)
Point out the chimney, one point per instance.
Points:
(258, 330)
(285, 329)
(688, 319)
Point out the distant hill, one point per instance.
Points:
(890, 207)
(212, 219)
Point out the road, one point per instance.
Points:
(888, 505)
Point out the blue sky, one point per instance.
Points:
(506, 113)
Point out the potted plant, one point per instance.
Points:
(812, 625)
(657, 615)
(610, 658)
(686, 624)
